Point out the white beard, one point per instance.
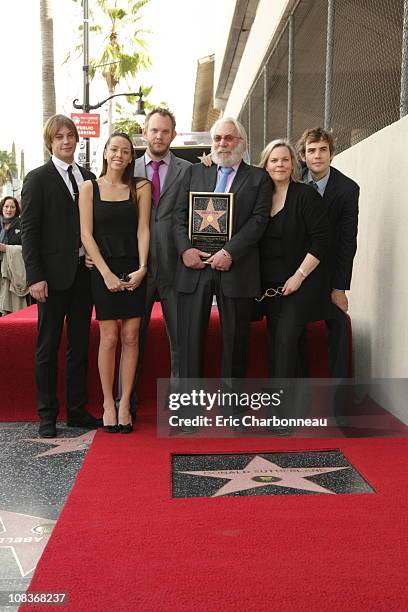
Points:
(234, 157)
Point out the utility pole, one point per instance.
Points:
(86, 79)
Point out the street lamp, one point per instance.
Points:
(139, 112)
(139, 106)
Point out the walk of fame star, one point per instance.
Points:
(26, 536)
(65, 445)
(260, 473)
(210, 216)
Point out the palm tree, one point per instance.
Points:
(47, 52)
(7, 168)
(124, 48)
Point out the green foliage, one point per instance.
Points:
(8, 167)
(122, 47)
(128, 125)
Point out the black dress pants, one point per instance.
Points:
(284, 331)
(284, 360)
(193, 315)
(339, 343)
(75, 306)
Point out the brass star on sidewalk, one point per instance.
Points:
(65, 445)
(210, 216)
(26, 536)
(260, 473)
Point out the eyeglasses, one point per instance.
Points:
(271, 292)
(228, 138)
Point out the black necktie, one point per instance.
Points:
(314, 185)
(73, 183)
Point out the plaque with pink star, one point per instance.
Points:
(326, 472)
(210, 220)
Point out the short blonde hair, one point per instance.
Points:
(52, 126)
(281, 142)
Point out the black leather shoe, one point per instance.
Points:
(47, 429)
(84, 420)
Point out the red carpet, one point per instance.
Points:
(122, 542)
(17, 344)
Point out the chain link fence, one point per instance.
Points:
(362, 94)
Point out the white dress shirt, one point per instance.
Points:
(62, 168)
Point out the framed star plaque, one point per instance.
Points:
(210, 220)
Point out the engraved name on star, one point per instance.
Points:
(260, 473)
(65, 445)
(26, 536)
(210, 216)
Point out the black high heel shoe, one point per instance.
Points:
(128, 428)
(110, 428)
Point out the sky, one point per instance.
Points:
(182, 32)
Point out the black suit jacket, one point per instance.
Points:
(305, 230)
(252, 188)
(50, 227)
(341, 197)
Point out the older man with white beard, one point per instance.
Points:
(232, 273)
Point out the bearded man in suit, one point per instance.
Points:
(232, 273)
(165, 171)
(57, 276)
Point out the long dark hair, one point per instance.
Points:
(128, 177)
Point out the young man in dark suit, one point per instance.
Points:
(232, 273)
(57, 275)
(340, 194)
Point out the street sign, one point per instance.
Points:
(87, 124)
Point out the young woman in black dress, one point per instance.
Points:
(115, 213)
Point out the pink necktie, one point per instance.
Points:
(156, 181)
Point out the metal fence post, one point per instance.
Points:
(404, 64)
(329, 64)
(249, 111)
(289, 125)
(265, 107)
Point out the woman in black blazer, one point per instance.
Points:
(294, 276)
(9, 222)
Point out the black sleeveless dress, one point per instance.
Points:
(115, 232)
